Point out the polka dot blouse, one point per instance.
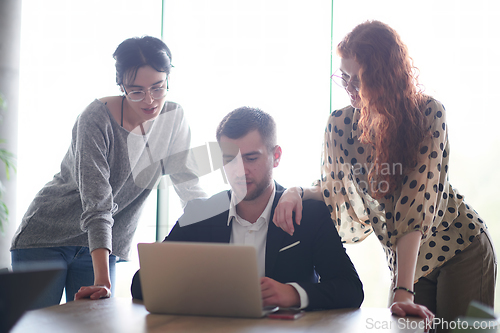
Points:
(425, 202)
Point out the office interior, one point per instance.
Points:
(56, 57)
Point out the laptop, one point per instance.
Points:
(208, 279)
(19, 289)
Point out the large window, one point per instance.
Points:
(271, 54)
(276, 55)
(66, 62)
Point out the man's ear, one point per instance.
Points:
(276, 156)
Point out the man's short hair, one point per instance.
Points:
(239, 122)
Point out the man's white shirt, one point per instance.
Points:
(255, 234)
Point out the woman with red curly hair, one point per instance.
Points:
(385, 170)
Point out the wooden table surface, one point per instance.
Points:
(123, 315)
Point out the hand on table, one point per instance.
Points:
(278, 294)
(409, 308)
(93, 292)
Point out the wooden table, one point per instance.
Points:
(122, 315)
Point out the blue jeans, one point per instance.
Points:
(79, 270)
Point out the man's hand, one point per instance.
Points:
(93, 292)
(278, 294)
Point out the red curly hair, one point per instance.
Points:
(392, 112)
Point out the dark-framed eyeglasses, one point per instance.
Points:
(156, 93)
(343, 80)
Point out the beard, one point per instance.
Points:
(260, 188)
(242, 193)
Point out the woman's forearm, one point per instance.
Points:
(100, 262)
(313, 192)
(406, 253)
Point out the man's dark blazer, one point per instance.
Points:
(320, 252)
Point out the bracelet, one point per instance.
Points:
(405, 289)
(302, 192)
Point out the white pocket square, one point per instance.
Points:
(289, 246)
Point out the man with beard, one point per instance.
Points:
(290, 266)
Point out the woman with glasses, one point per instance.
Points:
(86, 216)
(385, 170)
